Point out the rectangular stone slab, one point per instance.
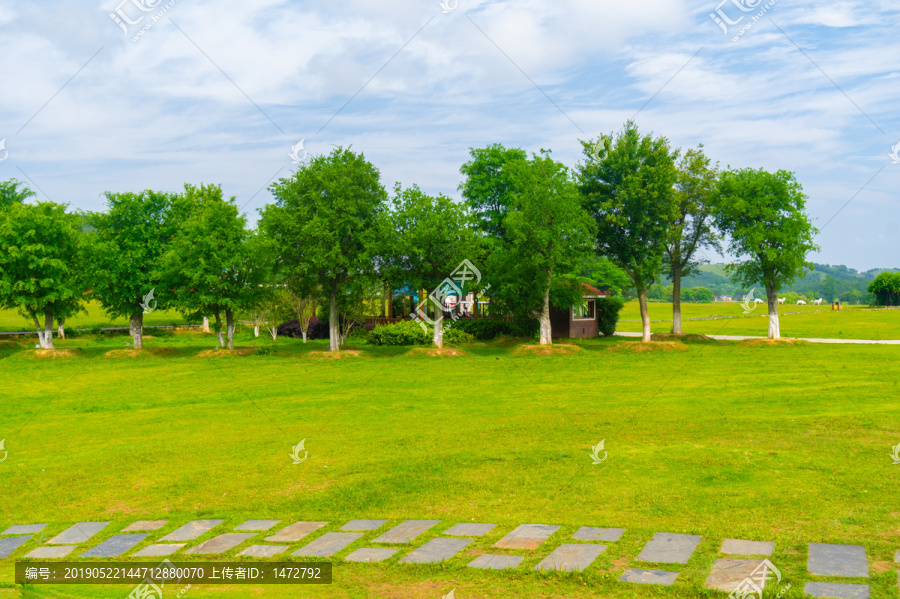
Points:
(589, 533)
(727, 574)
(370, 554)
(405, 531)
(571, 557)
(263, 550)
(739, 547)
(496, 562)
(295, 532)
(469, 529)
(526, 536)
(436, 551)
(159, 550)
(356, 525)
(145, 525)
(640, 576)
(826, 559)
(221, 543)
(192, 530)
(51, 552)
(837, 590)
(669, 548)
(10, 544)
(77, 533)
(328, 544)
(257, 525)
(23, 529)
(114, 546)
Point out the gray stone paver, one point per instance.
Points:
(739, 547)
(469, 529)
(405, 531)
(263, 550)
(641, 576)
(435, 551)
(51, 552)
(729, 573)
(571, 557)
(159, 550)
(295, 532)
(837, 590)
(77, 533)
(258, 525)
(357, 525)
(371, 554)
(527, 536)
(669, 548)
(10, 544)
(192, 530)
(496, 562)
(145, 525)
(23, 529)
(114, 546)
(221, 543)
(827, 559)
(589, 533)
(328, 544)
(897, 556)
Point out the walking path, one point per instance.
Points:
(353, 540)
(810, 339)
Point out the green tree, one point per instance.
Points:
(829, 288)
(886, 287)
(213, 264)
(325, 224)
(691, 229)
(547, 235)
(630, 193)
(126, 243)
(40, 264)
(763, 214)
(489, 185)
(11, 193)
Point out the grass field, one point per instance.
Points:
(11, 320)
(788, 443)
(854, 322)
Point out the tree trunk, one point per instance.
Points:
(645, 316)
(676, 301)
(219, 330)
(229, 324)
(334, 328)
(390, 301)
(546, 332)
(136, 329)
(438, 327)
(60, 331)
(774, 327)
(304, 336)
(256, 330)
(205, 327)
(405, 313)
(45, 336)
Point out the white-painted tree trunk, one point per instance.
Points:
(774, 325)
(544, 319)
(438, 336)
(45, 335)
(60, 329)
(302, 333)
(229, 326)
(645, 315)
(219, 335)
(676, 302)
(136, 328)
(334, 325)
(256, 330)
(205, 327)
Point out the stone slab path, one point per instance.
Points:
(10, 544)
(837, 560)
(159, 550)
(571, 557)
(145, 526)
(358, 525)
(527, 536)
(496, 562)
(589, 533)
(115, 545)
(727, 574)
(837, 590)
(192, 530)
(469, 529)
(669, 548)
(435, 551)
(78, 533)
(405, 531)
(328, 544)
(295, 532)
(258, 525)
(51, 552)
(739, 547)
(221, 543)
(642, 576)
(21, 529)
(264, 550)
(371, 554)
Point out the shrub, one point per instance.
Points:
(487, 329)
(608, 309)
(317, 329)
(455, 336)
(406, 332)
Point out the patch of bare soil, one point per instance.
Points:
(556, 349)
(220, 353)
(444, 352)
(56, 353)
(332, 355)
(683, 337)
(141, 353)
(639, 347)
(770, 342)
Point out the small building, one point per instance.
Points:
(578, 321)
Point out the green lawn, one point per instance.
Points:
(854, 322)
(788, 443)
(11, 320)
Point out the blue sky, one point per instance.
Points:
(220, 91)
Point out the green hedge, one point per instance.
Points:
(608, 309)
(407, 332)
(486, 329)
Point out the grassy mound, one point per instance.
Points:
(220, 353)
(639, 347)
(557, 349)
(444, 352)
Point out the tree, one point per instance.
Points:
(547, 235)
(126, 244)
(324, 223)
(10, 193)
(40, 264)
(429, 237)
(302, 308)
(886, 287)
(763, 214)
(488, 187)
(630, 193)
(691, 228)
(829, 287)
(212, 264)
